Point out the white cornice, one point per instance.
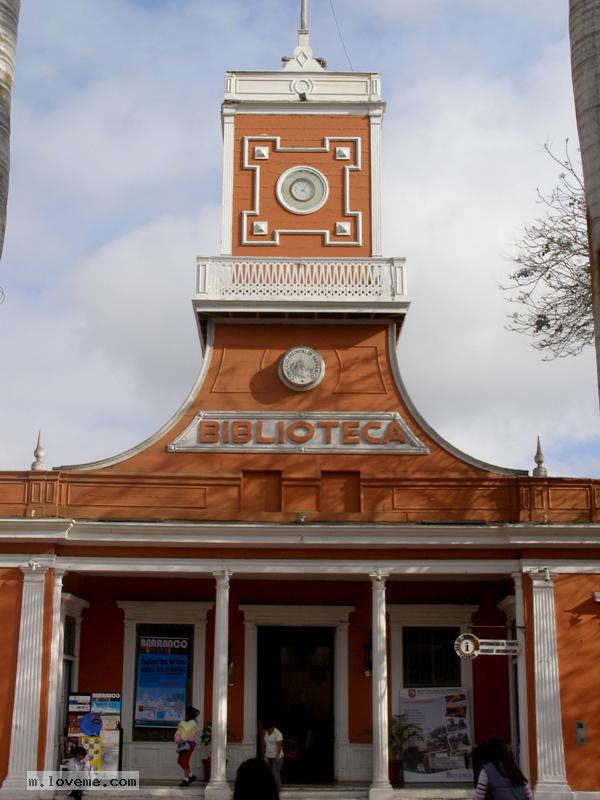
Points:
(341, 108)
(262, 535)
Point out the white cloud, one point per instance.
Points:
(116, 178)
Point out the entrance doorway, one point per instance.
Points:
(295, 690)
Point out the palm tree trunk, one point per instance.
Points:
(584, 30)
(9, 18)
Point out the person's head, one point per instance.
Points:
(79, 753)
(255, 781)
(270, 724)
(500, 756)
(191, 713)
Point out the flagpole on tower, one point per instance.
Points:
(304, 16)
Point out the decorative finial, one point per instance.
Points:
(540, 471)
(38, 465)
(303, 59)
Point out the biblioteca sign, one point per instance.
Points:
(298, 432)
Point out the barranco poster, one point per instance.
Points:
(162, 673)
(443, 717)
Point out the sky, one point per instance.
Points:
(116, 188)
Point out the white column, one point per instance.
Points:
(55, 674)
(551, 772)
(26, 706)
(198, 669)
(341, 699)
(227, 208)
(521, 676)
(250, 684)
(376, 118)
(128, 690)
(381, 788)
(218, 788)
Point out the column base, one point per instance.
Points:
(553, 791)
(382, 791)
(217, 791)
(15, 787)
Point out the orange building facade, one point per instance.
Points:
(318, 546)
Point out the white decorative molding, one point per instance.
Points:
(302, 86)
(342, 153)
(218, 788)
(261, 153)
(325, 148)
(54, 673)
(551, 769)
(320, 616)
(342, 229)
(299, 432)
(270, 87)
(26, 703)
(156, 758)
(260, 228)
(153, 565)
(376, 118)
(228, 116)
(425, 615)
(369, 286)
(380, 788)
(317, 616)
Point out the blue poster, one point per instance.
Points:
(161, 690)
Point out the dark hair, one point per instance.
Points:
(79, 751)
(254, 781)
(500, 756)
(191, 712)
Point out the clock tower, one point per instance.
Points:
(301, 227)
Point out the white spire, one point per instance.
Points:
(38, 465)
(540, 471)
(303, 59)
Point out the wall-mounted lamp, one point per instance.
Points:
(368, 657)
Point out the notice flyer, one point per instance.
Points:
(93, 722)
(443, 718)
(161, 689)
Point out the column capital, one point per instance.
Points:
(35, 570)
(222, 577)
(379, 577)
(541, 578)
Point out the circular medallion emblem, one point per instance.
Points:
(467, 645)
(301, 368)
(302, 189)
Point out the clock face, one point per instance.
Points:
(302, 190)
(301, 368)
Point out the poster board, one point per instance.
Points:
(161, 684)
(94, 722)
(443, 716)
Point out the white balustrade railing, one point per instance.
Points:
(374, 280)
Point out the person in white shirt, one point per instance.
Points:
(274, 751)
